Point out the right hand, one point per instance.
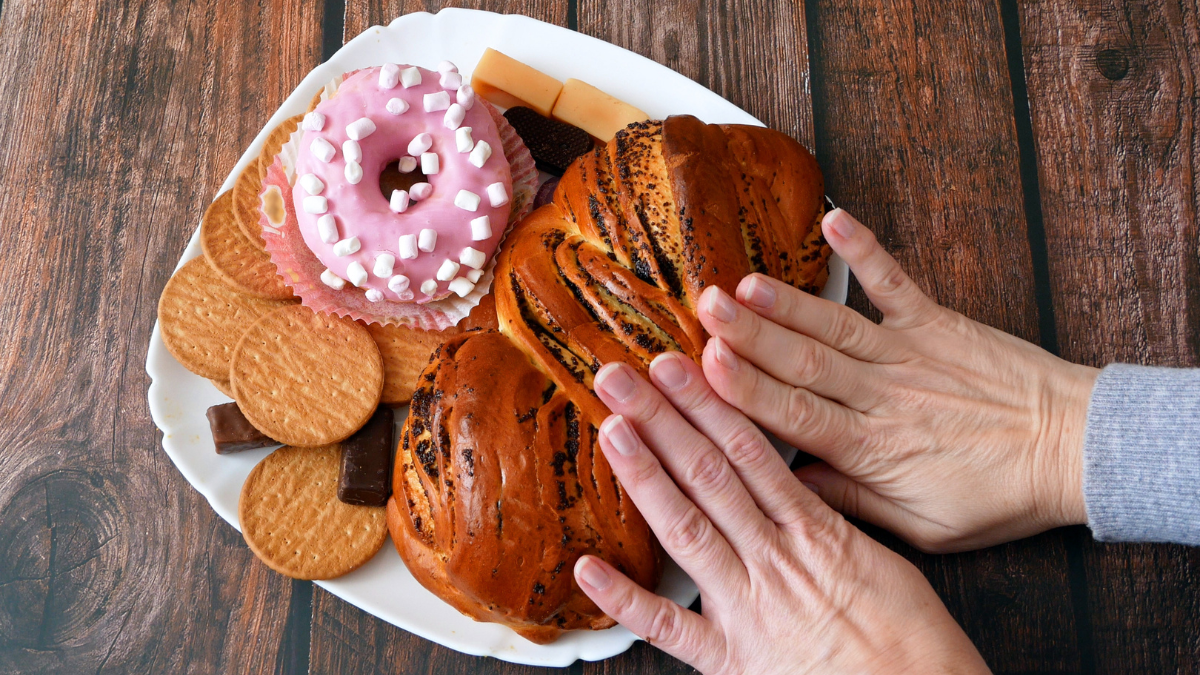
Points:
(949, 433)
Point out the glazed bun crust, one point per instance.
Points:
(500, 484)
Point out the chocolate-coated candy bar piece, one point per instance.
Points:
(545, 193)
(232, 432)
(366, 478)
(553, 144)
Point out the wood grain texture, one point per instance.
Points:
(362, 15)
(752, 52)
(1113, 101)
(916, 134)
(122, 120)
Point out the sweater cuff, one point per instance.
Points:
(1141, 476)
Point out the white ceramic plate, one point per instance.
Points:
(179, 399)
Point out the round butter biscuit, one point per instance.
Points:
(201, 318)
(239, 261)
(293, 521)
(306, 379)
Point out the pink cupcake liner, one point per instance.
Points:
(301, 270)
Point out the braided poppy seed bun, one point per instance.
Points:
(500, 485)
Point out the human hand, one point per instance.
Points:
(787, 584)
(949, 433)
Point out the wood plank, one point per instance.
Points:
(123, 119)
(363, 15)
(1112, 92)
(752, 52)
(915, 131)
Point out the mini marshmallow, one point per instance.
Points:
(327, 228)
(497, 194)
(420, 191)
(323, 149)
(397, 106)
(466, 200)
(347, 247)
(427, 240)
(357, 274)
(332, 280)
(389, 76)
(360, 128)
(408, 246)
(399, 201)
(311, 184)
(437, 101)
(420, 143)
(354, 173)
(313, 121)
(455, 115)
(429, 287)
(410, 77)
(315, 204)
(429, 163)
(466, 96)
(462, 139)
(384, 265)
(374, 295)
(447, 67)
(352, 151)
(448, 270)
(398, 284)
(462, 287)
(472, 257)
(408, 164)
(479, 156)
(452, 81)
(474, 276)
(481, 228)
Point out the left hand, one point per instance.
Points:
(787, 584)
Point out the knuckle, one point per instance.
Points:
(811, 364)
(644, 473)
(709, 473)
(746, 446)
(691, 533)
(844, 331)
(893, 279)
(665, 629)
(798, 408)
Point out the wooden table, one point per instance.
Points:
(1032, 164)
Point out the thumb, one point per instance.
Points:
(885, 283)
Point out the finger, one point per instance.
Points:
(697, 466)
(685, 532)
(679, 632)
(795, 415)
(827, 322)
(885, 283)
(852, 499)
(753, 458)
(789, 357)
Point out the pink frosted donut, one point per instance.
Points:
(417, 245)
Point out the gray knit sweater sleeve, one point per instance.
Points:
(1141, 476)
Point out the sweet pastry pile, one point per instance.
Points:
(381, 250)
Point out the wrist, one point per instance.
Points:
(1062, 449)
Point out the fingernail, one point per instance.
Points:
(812, 487)
(720, 306)
(842, 223)
(620, 435)
(724, 354)
(759, 293)
(668, 371)
(593, 574)
(615, 381)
